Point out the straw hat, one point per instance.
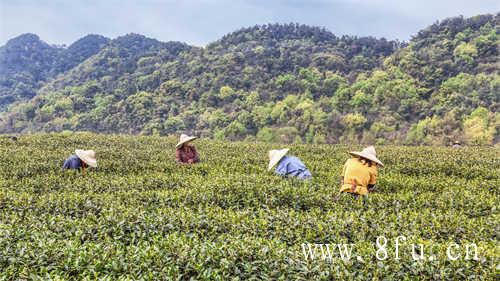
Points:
(368, 153)
(275, 156)
(183, 139)
(87, 156)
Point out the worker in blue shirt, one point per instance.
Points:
(287, 166)
(80, 160)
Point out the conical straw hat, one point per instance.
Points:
(87, 156)
(368, 153)
(275, 156)
(183, 139)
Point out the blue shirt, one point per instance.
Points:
(292, 166)
(73, 162)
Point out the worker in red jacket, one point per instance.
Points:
(185, 151)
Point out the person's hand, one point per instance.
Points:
(190, 161)
(353, 188)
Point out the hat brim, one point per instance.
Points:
(276, 158)
(366, 156)
(184, 141)
(92, 162)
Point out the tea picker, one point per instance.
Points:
(359, 174)
(80, 160)
(185, 151)
(287, 166)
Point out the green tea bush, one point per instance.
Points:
(139, 215)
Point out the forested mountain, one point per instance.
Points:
(26, 63)
(289, 83)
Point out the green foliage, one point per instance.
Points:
(360, 100)
(354, 121)
(235, 130)
(284, 79)
(173, 125)
(422, 131)
(226, 93)
(27, 62)
(271, 77)
(466, 52)
(479, 127)
(266, 135)
(141, 216)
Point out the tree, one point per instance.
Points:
(235, 130)
(327, 88)
(266, 134)
(360, 101)
(173, 125)
(465, 52)
(226, 93)
(477, 128)
(354, 121)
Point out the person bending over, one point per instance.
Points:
(81, 160)
(287, 166)
(359, 174)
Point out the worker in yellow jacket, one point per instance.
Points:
(359, 174)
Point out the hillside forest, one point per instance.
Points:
(287, 83)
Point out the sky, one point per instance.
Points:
(198, 22)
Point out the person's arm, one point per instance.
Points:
(282, 169)
(65, 165)
(300, 167)
(306, 174)
(72, 162)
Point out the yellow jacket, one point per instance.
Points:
(357, 176)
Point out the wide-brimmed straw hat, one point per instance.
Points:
(183, 139)
(87, 156)
(368, 153)
(275, 156)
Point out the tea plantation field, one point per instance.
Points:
(140, 215)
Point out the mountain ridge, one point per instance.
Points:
(282, 82)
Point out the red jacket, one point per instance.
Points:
(186, 153)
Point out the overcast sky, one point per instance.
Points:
(199, 22)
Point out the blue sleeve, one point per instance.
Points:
(283, 171)
(305, 174)
(66, 164)
(299, 169)
(73, 162)
(282, 168)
